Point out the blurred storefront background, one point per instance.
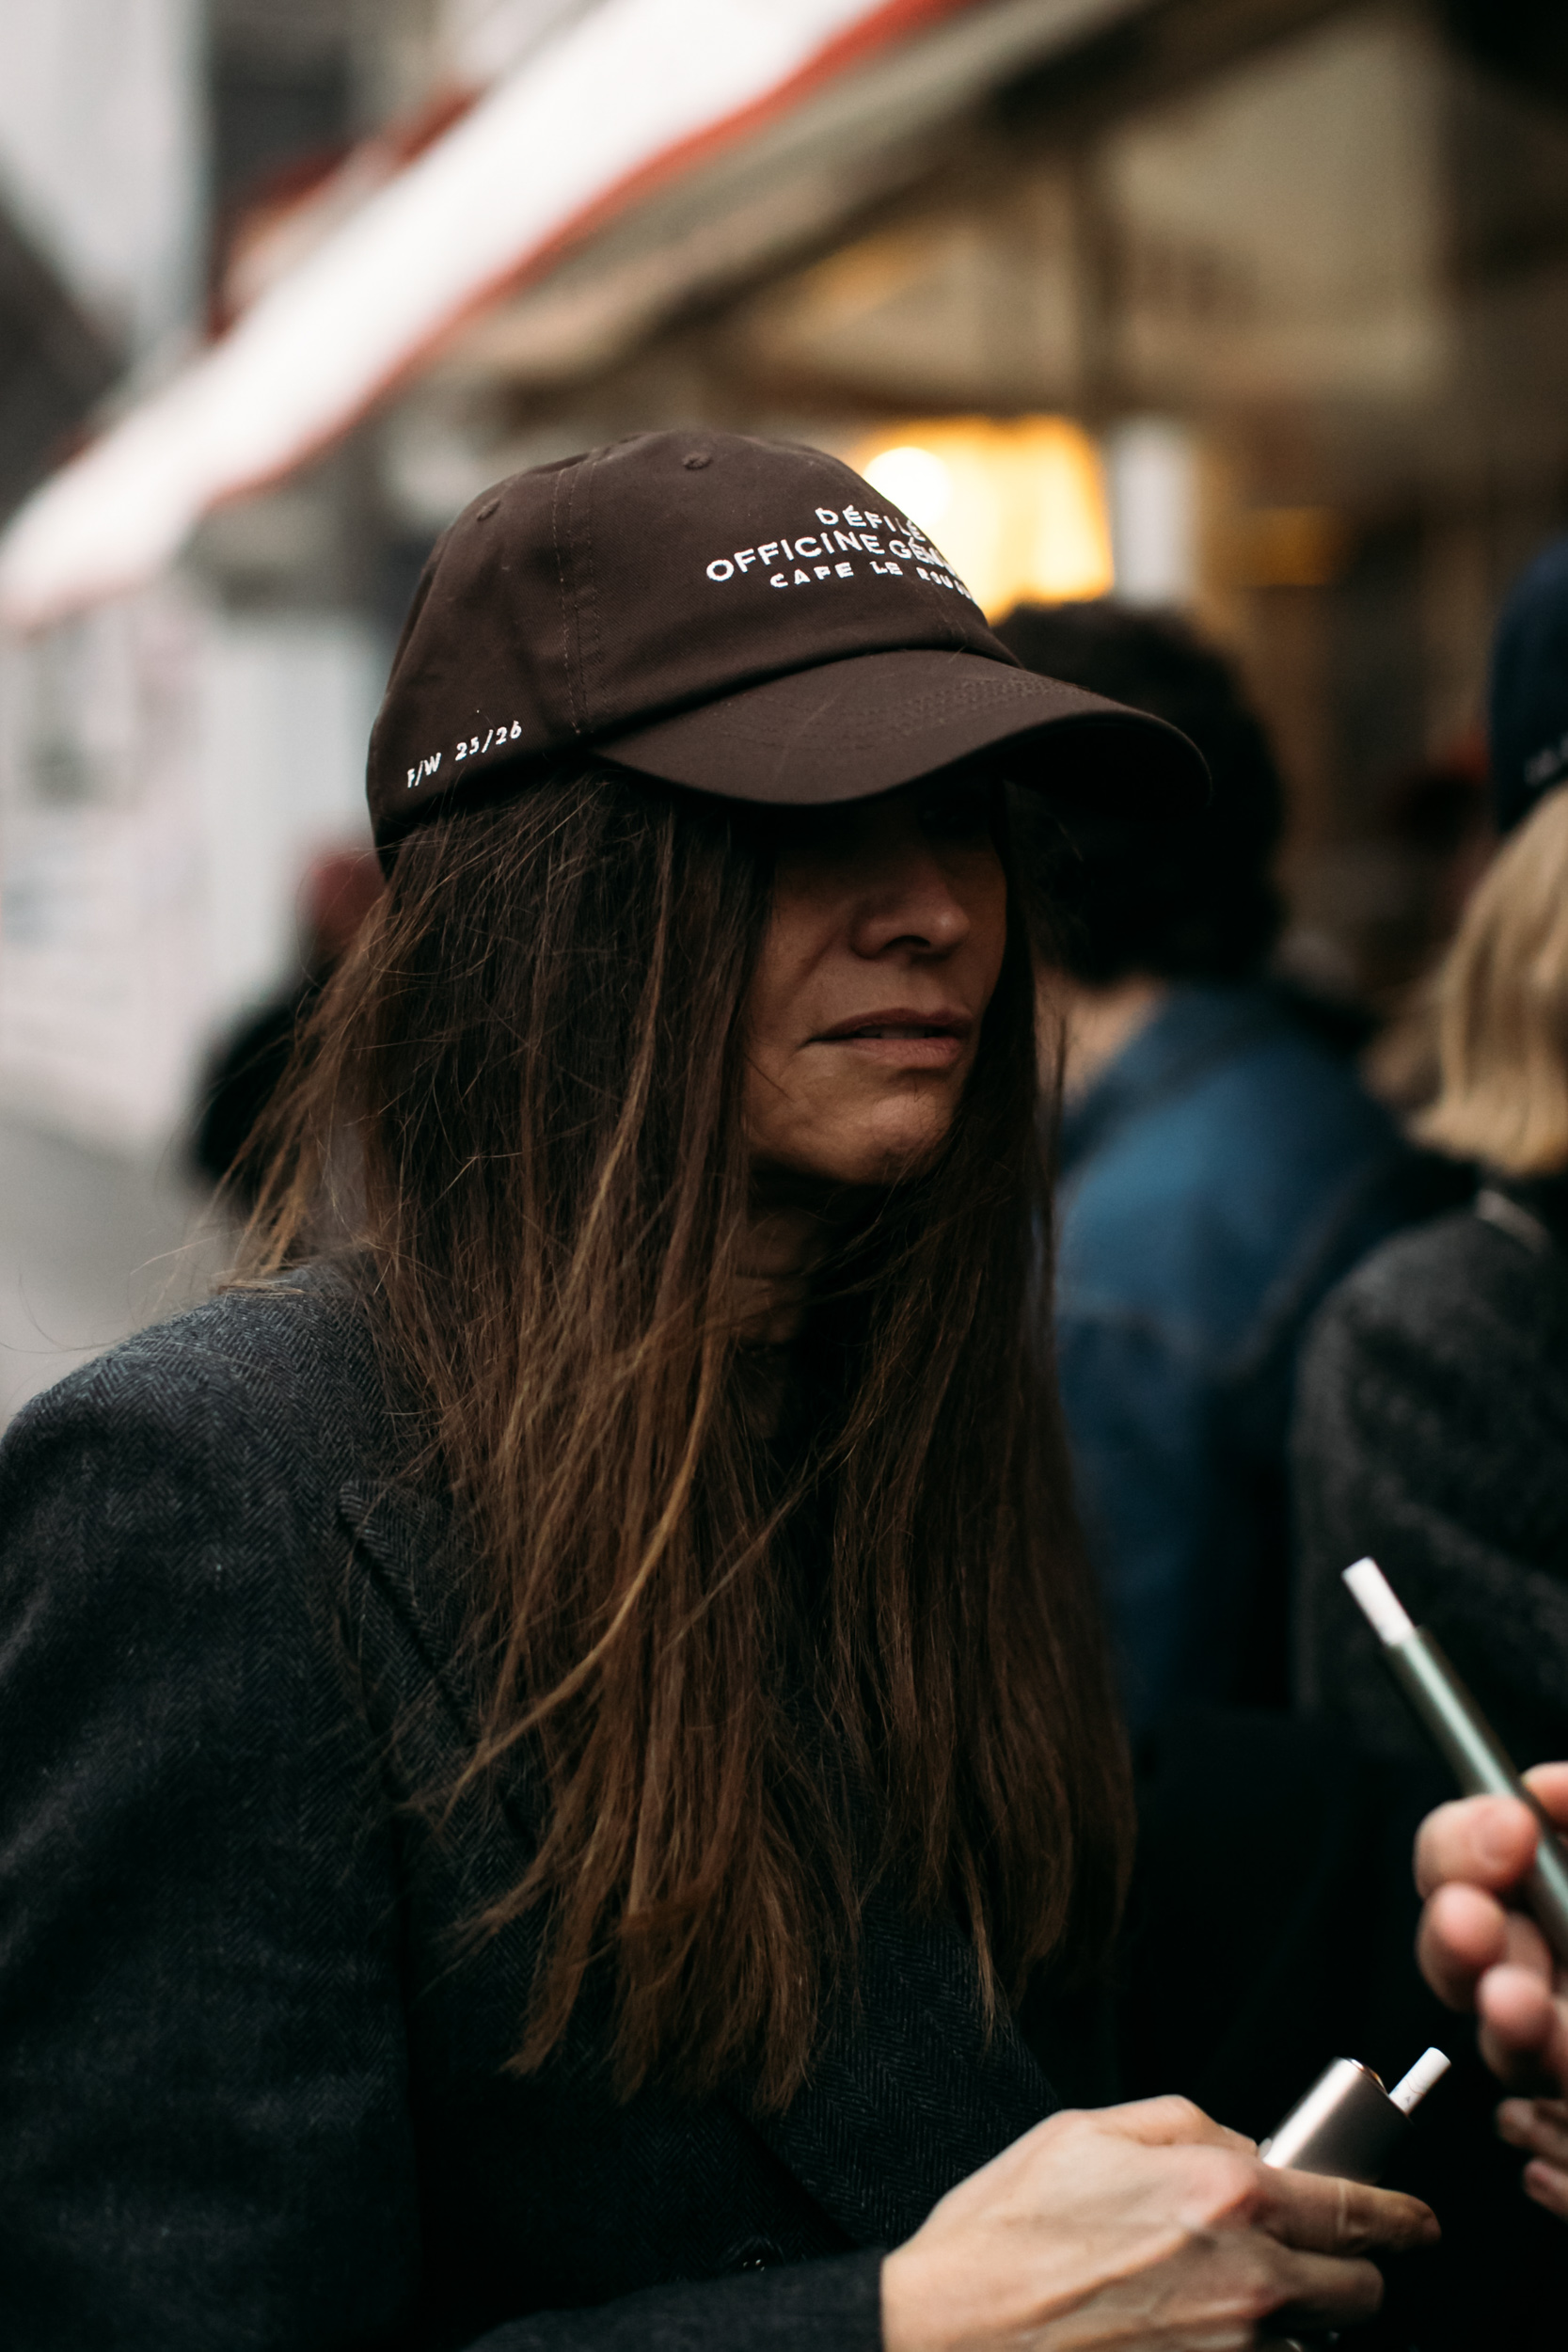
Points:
(1258, 308)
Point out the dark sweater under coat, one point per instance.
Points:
(254, 2093)
(1431, 1431)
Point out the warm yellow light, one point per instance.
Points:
(915, 480)
(1018, 508)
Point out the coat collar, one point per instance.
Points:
(909, 2093)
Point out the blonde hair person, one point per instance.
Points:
(1432, 1411)
(1503, 1004)
(1431, 1431)
(1433, 1420)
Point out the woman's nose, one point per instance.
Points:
(911, 904)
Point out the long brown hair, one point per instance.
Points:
(754, 1679)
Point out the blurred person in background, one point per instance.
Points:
(1433, 1429)
(340, 889)
(1220, 1168)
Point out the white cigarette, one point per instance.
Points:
(1428, 2069)
(1372, 1589)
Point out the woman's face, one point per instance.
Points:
(883, 945)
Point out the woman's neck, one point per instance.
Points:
(795, 1224)
(783, 1248)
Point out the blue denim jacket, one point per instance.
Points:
(1216, 1179)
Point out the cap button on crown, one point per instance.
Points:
(698, 457)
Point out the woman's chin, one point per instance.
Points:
(850, 1147)
(895, 1149)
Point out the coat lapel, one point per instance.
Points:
(409, 1538)
(908, 2093)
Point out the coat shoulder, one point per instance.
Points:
(217, 1443)
(1445, 1287)
(288, 1367)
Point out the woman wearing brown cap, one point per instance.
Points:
(559, 1779)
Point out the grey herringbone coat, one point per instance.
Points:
(1431, 1431)
(253, 2091)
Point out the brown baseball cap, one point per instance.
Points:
(746, 617)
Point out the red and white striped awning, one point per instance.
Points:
(630, 97)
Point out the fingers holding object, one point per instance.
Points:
(1322, 2291)
(1463, 1932)
(1322, 2215)
(1309, 2212)
(1478, 1841)
(1282, 2288)
(1547, 2185)
(1540, 2126)
(1522, 2029)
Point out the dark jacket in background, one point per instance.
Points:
(1432, 1433)
(240, 1086)
(1219, 1175)
(253, 2086)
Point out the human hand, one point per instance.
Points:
(1477, 1954)
(1140, 2226)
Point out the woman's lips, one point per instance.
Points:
(903, 1039)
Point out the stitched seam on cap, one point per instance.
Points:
(915, 711)
(566, 603)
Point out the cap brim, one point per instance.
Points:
(844, 730)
